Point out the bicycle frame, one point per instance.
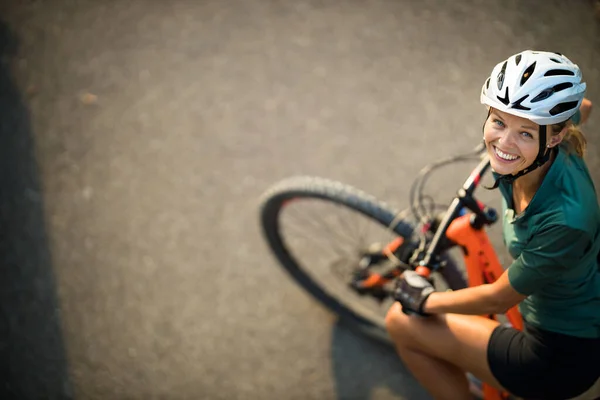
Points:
(467, 231)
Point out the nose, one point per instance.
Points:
(507, 139)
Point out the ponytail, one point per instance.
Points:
(574, 141)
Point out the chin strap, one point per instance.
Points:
(542, 157)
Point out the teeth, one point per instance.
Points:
(505, 156)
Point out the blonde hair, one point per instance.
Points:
(574, 140)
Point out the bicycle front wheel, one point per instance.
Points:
(319, 230)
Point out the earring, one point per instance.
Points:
(548, 146)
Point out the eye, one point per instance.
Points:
(527, 135)
(499, 123)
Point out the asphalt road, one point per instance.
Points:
(136, 138)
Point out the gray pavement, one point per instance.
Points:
(136, 139)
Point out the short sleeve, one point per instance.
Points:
(550, 252)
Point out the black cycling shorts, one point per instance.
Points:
(537, 364)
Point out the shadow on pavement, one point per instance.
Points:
(31, 342)
(374, 371)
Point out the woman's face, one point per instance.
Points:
(512, 142)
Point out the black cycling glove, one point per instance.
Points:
(411, 291)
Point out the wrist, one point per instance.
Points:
(425, 304)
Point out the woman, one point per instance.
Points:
(552, 230)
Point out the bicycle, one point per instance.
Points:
(362, 292)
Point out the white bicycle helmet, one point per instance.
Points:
(541, 86)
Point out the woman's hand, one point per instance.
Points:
(412, 291)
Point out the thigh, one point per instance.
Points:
(461, 340)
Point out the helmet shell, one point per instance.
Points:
(544, 87)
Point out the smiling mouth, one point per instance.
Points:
(506, 157)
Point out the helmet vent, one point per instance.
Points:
(543, 95)
(550, 91)
(487, 83)
(562, 86)
(518, 59)
(504, 100)
(527, 74)
(557, 72)
(500, 78)
(556, 61)
(517, 104)
(562, 107)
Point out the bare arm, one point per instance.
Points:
(585, 109)
(493, 298)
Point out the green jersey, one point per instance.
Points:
(555, 244)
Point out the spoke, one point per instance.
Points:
(311, 237)
(356, 225)
(348, 226)
(319, 225)
(366, 236)
(324, 241)
(364, 233)
(344, 232)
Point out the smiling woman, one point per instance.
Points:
(519, 134)
(552, 230)
(512, 142)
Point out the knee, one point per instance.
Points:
(397, 323)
